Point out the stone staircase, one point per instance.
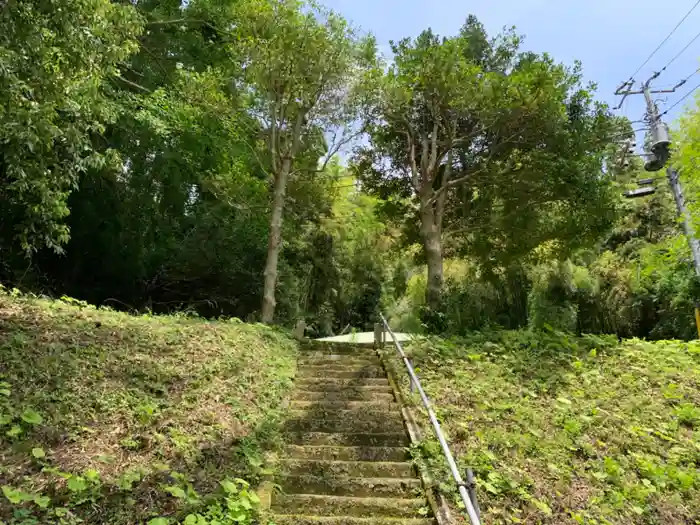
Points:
(346, 461)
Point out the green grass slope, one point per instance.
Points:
(561, 429)
(111, 418)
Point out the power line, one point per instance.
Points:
(665, 40)
(681, 52)
(682, 99)
(626, 134)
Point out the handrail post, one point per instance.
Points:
(471, 488)
(299, 330)
(378, 336)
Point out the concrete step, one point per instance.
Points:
(330, 452)
(337, 349)
(357, 487)
(357, 388)
(352, 363)
(361, 426)
(344, 405)
(317, 505)
(348, 439)
(377, 415)
(322, 371)
(343, 395)
(335, 383)
(338, 359)
(352, 469)
(297, 519)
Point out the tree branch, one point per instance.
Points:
(133, 84)
(174, 21)
(415, 175)
(156, 59)
(442, 198)
(274, 147)
(451, 183)
(296, 133)
(332, 151)
(254, 151)
(424, 158)
(432, 165)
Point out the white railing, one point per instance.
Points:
(466, 490)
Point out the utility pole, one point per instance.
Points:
(658, 146)
(677, 189)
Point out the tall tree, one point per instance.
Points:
(515, 129)
(306, 67)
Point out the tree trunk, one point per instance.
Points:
(432, 244)
(275, 241)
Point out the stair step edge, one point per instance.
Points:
(303, 519)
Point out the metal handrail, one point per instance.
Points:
(462, 487)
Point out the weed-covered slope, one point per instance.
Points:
(113, 418)
(561, 429)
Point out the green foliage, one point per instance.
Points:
(152, 411)
(239, 505)
(334, 267)
(687, 140)
(550, 302)
(474, 137)
(307, 76)
(470, 300)
(179, 220)
(545, 417)
(638, 282)
(56, 61)
(236, 504)
(188, 212)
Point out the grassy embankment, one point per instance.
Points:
(561, 429)
(111, 418)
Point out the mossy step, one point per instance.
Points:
(312, 504)
(357, 487)
(320, 349)
(344, 371)
(376, 415)
(297, 519)
(346, 405)
(365, 426)
(320, 371)
(338, 359)
(358, 387)
(353, 469)
(335, 383)
(342, 361)
(346, 453)
(348, 439)
(354, 394)
(343, 355)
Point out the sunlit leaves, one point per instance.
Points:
(55, 61)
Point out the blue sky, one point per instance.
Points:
(610, 37)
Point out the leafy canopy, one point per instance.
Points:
(496, 141)
(56, 58)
